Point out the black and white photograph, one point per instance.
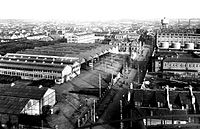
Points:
(99, 64)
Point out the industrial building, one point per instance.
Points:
(87, 53)
(183, 66)
(29, 99)
(35, 67)
(17, 100)
(80, 37)
(178, 41)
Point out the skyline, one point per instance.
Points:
(93, 10)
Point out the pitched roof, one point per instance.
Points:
(12, 105)
(146, 96)
(28, 92)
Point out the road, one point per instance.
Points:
(112, 112)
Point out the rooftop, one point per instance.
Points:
(79, 50)
(12, 105)
(29, 92)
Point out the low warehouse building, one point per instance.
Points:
(17, 101)
(35, 67)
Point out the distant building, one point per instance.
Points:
(178, 41)
(35, 67)
(164, 23)
(121, 36)
(41, 37)
(80, 38)
(133, 36)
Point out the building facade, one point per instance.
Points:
(34, 106)
(36, 67)
(179, 38)
(164, 103)
(80, 38)
(182, 66)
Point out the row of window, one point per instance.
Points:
(179, 37)
(33, 70)
(182, 65)
(139, 104)
(25, 74)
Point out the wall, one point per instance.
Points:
(32, 107)
(49, 97)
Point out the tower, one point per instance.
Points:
(164, 23)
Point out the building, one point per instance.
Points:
(128, 48)
(80, 38)
(159, 56)
(178, 41)
(41, 37)
(183, 66)
(157, 105)
(36, 67)
(133, 36)
(165, 23)
(121, 37)
(29, 99)
(23, 100)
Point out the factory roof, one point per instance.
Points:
(29, 62)
(30, 65)
(12, 105)
(29, 92)
(39, 58)
(79, 50)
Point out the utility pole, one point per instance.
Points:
(121, 115)
(138, 69)
(99, 86)
(94, 115)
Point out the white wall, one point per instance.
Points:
(32, 107)
(49, 97)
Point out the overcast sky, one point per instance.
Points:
(98, 9)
